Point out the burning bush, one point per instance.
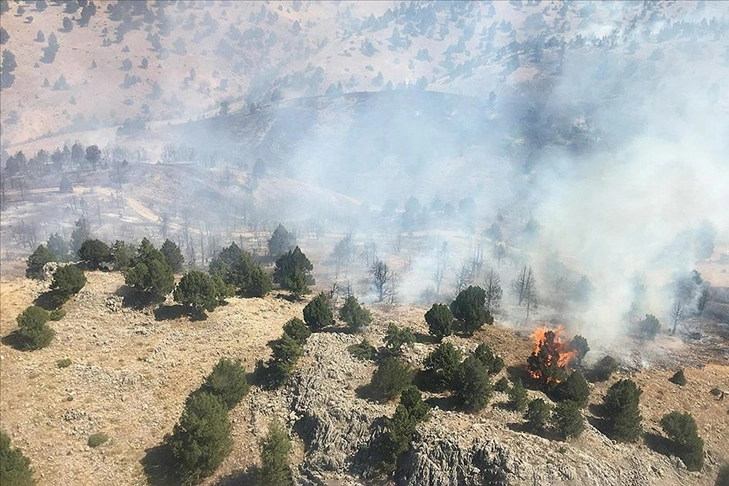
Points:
(551, 357)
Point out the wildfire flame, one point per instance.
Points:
(539, 336)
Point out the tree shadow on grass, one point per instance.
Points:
(249, 476)
(367, 392)
(169, 312)
(443, 403)
(159, 466)
(658, 443)
(13, 340)
(421, 338)
(50, 300)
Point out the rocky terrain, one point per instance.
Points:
(130, 372)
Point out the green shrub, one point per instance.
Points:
(56, 314)
(390, 378)
(574, 388)
(490, 360)
(293, 272)
(502, 385)
(445, 362)
(275, 449)
(297, 330)
(536, 415)
(240, 270)
(37, 260)
(363, 351)
(14, 466)
(151, 274)
(201, 438)
(172, 254)
(649, 327)
(678, 378)
(197, 291)
(318, 313)
(63, 363)
(228, 382)
(604, 368)
(518, 397)
(33, 332)
(94, 253)
(286, 351)
(579, 344)
(621, 412)
(97, 439)
(440, 321)
(568, 419)
(716, 392)
(682, 430)
(473, 389)
(401, 427)
(468, 307)
(68, 280)
(354, 314)
(397, 337)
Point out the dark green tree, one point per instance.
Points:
(68, 280)
(537, 415)
(259, 282)
(297, 330)
(285, 352)
(354, 314)
(293, 272)
(468, 308)
(649, 327)
(390, 378)
(122, 255)
(567, 419)
(621, 412)
(33, 330)
(94, 253)
(150, 274)
(444, 362)
(682, 430)
(678, 378)
(518, 397)
(281, 242)
(239, 269)
(493, 362)
(318, 313)
(397, 337)
(93, 155)
(201, 439)
(228, 382)
(400, 429)
(15, 468)
(502, 385)
(604, 368)
(473, 390)
(173, 255)
(440, 321)
(574, 389)
(275, 449)
(197, 291)
(544, 362)
(37, 260)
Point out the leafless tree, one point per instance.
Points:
(676, 315)
(525, 288)
(382, 276)
(464, 278)
(494, 291)
(705, 296)
(441, 263)
(499, 253)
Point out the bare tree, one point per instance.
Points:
(494, 291)
(381, 276)
(464, 277)
(525, 288)
(441, 263)
(676, 315)
(705, 296)
(499, 253)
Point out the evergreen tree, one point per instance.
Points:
(80, 233)
(122, 255)
(173, 255)
(440, 320)
(678, 378)
(58, 246)
(285, 352)
(151, 274)
(281, 242)
(518, 397)
(275, 449)
(580, 345)
(293, 272)
(94, 253)
(15, 468)
(318, 313)
(401, 427)
(568, 419)
(37, 260)
(682, 430)
(297, 330)
(490, 360)
(201, 439)
(397, 337)
(33, 332)
(68, 280)
(390, 378)
(468, 307)
(444, 362)
(197, 291)
(574, 388)
(473, 389)
(354, 314)
(536, 415)
(228, 382)
(621, 412)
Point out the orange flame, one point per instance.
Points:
(565, 355)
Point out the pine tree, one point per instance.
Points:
(518, 397)
(473, 389)
(440, 320)
(468, 307)
(574, 388)
(297, 330)
(318, 313)
(444, 361)
(173, 255)
(275, 449)
(536, 415)
(621, 412)
(568, 419)
(228, 382)
(37, 260)
(354, 314)
(15, 468)
(682, 430)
